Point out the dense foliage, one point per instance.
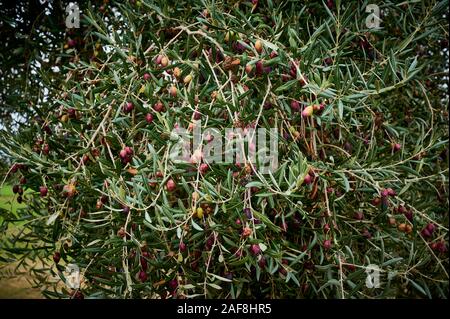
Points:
(33, 35)
(361, 116)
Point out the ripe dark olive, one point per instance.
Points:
(125, 209)
(359, 216)
(203, 168)
(351, 267)
(248, 213)
(327, 244)
(295, 106)
(259, 68)
(46, 149)
(267, 105)
(142, 276)
(173, 284)
(14, 168)
(128, 107)
(171, 185)
(425, 233)
(72, 113)
(71, 43)
(104, 199)
(285, 77)
(391, 192)
(143, 263)
(409, 215)
(85, 159)
(431, 227)
(262, 262)
(95, 152)
(47, 129)
(309, 264)
(129, 150)
(348, 147)
(158, 107)
(43, 191)
(197, 115)
(376, 201)
(307, 179)
(366, 233)
(441, 247)
(149, 118)
(56, 257)
(255, 250)
(401, 209)
(126, 154)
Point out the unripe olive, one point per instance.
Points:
(307, 111)
(164, 61)
(199, 212)
(187, 79)
(173, 91)
(258, 46)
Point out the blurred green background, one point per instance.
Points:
(14, 283)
